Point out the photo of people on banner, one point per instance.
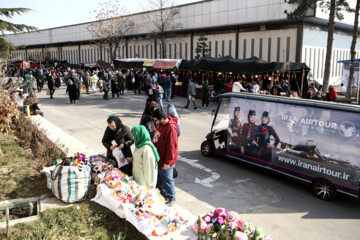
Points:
(252, 140)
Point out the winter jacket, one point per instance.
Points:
(191, 89)
(165, 140)
(144, 169)
(121, 135)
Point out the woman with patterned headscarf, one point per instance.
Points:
(145, 158)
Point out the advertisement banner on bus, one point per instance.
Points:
(301, 141)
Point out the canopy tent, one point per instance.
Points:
(139, 63)
(296, 73)
(227, 64)
(129, 63)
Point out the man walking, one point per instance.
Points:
(167, 86)
(191, 93)
(165, 140)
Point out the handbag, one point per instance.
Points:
(48, 92)
(133, 80)
(175, 173)
(192, 99)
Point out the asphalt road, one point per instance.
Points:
(285, 209)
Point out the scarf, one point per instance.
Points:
(142, 138)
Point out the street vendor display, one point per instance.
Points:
(117, 191)
(215, 223)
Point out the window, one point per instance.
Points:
(147, 51)
(175, 50)
(142, 51)
(260, 48)
(269, 49)
(169, 50)
(181, 50)
(244, 48)
(252, 47)
(278, 49)
(223, 48)
(210, 48)
(288, 49)
(186, 51)
(230, 43)
(216, 49)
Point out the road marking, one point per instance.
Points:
(109, 111)
(207, 181)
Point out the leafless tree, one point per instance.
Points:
(161, 17)
(113, 22)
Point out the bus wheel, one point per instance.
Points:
(324, 189)
(206, 149)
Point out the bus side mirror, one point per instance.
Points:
(212, 113)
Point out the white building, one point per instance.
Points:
(240, 28)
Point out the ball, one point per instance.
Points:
(220, 212)
(258, 234)
(207, 218)
(232, 216)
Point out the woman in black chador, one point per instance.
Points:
(265, 132)
(71, 89)
(248, 145)
(235, 129)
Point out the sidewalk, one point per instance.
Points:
(71, 145)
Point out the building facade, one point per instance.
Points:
(239, 28)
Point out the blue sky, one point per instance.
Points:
(55, 13)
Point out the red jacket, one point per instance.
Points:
(165, 140)
(332, 94)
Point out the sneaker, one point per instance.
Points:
(195, 107)
(170, 203)
(186, 107)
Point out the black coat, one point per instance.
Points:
(121, 135)
(71, 89)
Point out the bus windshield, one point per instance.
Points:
(221, 121)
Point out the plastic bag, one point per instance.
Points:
(119, 157)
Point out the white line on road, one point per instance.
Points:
(109, 111)
(207, 181)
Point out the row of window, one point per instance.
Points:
(174, 50)
(315, 59)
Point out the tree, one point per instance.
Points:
(6, 26)
(202, 49)
(111, 26)
(162, 17)
(352, 49)
(5, 48)
(335, 8)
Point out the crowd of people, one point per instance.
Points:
(281, 87)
